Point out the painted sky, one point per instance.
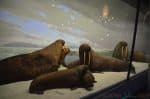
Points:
(76, 21)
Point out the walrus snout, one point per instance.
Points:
(121, 51)
(85, 54)
(65, 49)
(124, 52)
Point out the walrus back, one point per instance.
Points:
(107, 63)
(24, 67)
(10, 69)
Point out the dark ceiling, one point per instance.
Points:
(145, 4)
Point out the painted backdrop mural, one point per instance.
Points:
(37, 23)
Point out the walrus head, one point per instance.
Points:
(124, 50)
(121, 51)
(65, 51)
(57, 50)
(85, 54)
(86, 77)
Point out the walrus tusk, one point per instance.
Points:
(122, 51)
(84, 58)
(89, 59)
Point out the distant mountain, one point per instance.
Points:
(22, 44)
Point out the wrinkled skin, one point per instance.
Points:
(79, 77)
(28, 66)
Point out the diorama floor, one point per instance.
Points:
(19, 90)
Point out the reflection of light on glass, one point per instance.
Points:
(105, 11)
(62, 24)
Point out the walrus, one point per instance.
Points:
(98, 63)
(79, 77)
(121, 51)
(28, 66)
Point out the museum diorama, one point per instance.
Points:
(71, 49)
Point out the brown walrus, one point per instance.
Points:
(29, 66)
(121, 51)
(79, 77)
(98, 62)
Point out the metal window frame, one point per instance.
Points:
(134, 37)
